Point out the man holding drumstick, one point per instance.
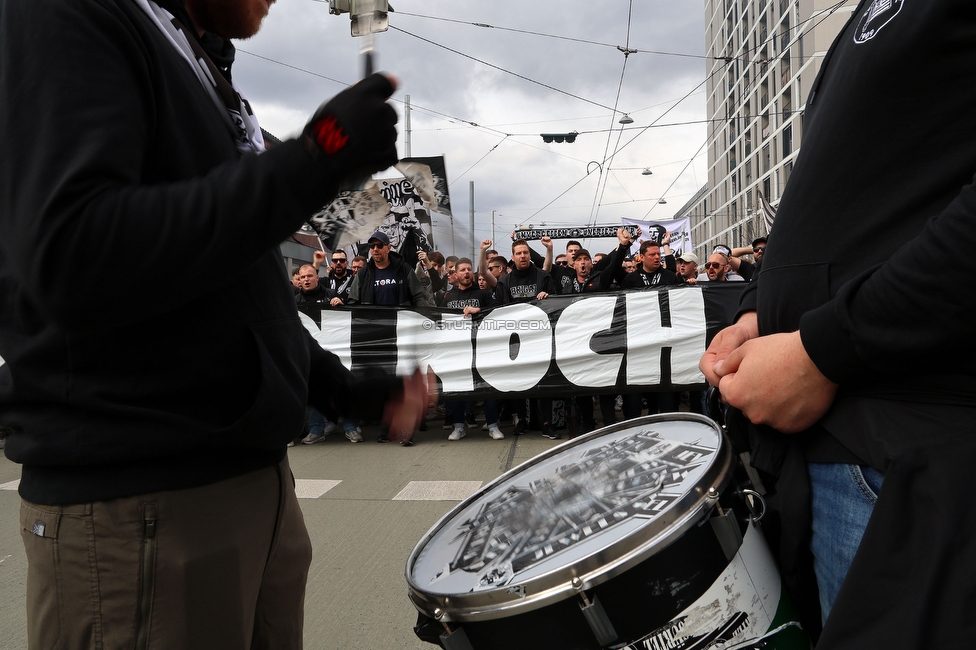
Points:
(158, 508)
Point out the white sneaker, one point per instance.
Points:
(495, 432)
(355, 435)
(458, 433)
(329, 428)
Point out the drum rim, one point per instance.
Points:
(593, 570)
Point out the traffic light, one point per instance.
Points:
(559, 137)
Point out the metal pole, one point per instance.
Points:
(406, 126)
(492, 227)
(471, 203)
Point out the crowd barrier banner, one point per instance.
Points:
(648, 340)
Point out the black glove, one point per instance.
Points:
(355, 131)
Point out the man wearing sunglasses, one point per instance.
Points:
(717, 268)
(339, 278)
(386, 279)
(745, 268)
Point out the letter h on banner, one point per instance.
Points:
(647, 335)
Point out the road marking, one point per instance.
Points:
(306, 488)
(437, 490)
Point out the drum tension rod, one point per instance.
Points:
(595, 616)
(724, 525)
(452, 639)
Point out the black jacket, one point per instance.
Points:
(881, 195)
(118, 173)
(523, 286)
(410, 293)
(640, 278)
(339, 286)
(321, 293)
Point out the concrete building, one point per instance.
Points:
(765, 56)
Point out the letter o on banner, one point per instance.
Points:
(493, 358)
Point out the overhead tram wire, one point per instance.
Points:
(676, 104)
(614, 110)
(827, 13)
(601, 185)
(629, 142)
(477, 162)
(683, 169)
(506, 71)
(555, 36)
(416, 107)
(470, 124)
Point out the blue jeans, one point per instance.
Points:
(843, 500)
(456, 410)
(316, 422)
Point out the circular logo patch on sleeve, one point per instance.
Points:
(879, 14)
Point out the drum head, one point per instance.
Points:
(573, 517)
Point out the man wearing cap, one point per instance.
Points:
(745, 268)
(730, 274)
(687, 268)
(386, 279)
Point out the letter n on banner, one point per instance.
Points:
(679, 327)
(444, 346)
(335, 335)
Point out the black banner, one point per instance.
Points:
(648, 340)
(529, 234)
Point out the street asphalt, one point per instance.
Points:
(366, 506)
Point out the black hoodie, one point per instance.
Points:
(119, 174)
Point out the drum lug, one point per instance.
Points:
(452, 639)
(728, 533)
(596, 617)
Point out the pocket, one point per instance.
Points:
(45, 600)
(147, 577)
(868, 481)
(806, 285)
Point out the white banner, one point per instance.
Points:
(680, 230)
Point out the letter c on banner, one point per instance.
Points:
(574, 331)
(495, 334)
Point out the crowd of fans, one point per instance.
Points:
(469, 286)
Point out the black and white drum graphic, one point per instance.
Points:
(624, 536)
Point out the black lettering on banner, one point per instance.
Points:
(397, 193)
(648, 339)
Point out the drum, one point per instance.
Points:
(632, 536)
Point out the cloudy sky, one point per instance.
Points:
(486, 78)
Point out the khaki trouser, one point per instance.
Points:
(219, 566)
